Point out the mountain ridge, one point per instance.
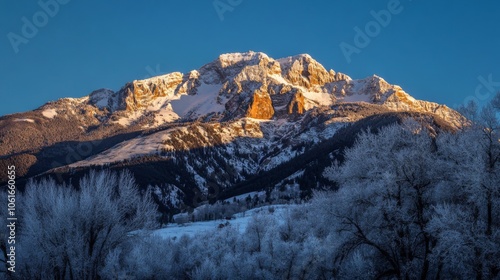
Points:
(302, 80)
(243, 114)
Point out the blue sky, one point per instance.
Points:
(435, 50)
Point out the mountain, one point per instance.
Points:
(244, 122)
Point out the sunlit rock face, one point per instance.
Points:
(140, 94)
(261, 106)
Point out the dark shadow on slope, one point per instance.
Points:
(318, 157)
(59, 154)
(36, 160)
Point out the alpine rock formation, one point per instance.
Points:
(244, 122)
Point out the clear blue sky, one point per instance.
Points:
(435, 50)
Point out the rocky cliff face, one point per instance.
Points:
(304, 71)
(139, 95)
(296, 105)
(261, 106)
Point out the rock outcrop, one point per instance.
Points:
(141, 93)
(297, 104)
(261, 106)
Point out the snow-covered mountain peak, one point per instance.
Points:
(289, 60)
(166, 78)
(249, 84)
(250, 57)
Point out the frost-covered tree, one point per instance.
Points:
(385, 202)
(143, 257)
(68, 233)
(470, 219)
(415, 205)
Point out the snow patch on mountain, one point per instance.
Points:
(317, 99)
(136, 147)
(49, 113)
(164, 115)
(357, 98)
(24, 120)
(130, 118)
(104, 98)
(204, 102)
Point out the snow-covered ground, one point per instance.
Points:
(240, 222)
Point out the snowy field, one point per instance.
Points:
(240, 221)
